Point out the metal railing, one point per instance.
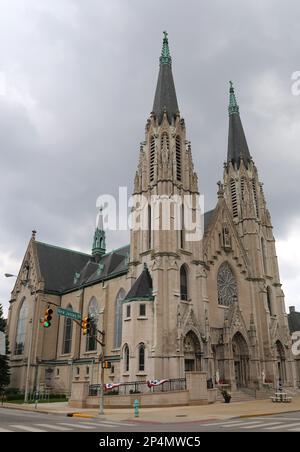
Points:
(141, 387)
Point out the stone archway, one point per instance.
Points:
(192, 352)
(241, 360)
(280, 359)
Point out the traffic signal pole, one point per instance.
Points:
(101, 394)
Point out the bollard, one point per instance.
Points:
(136, 408)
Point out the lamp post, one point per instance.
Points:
(25, 283)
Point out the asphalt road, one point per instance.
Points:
(22, 421)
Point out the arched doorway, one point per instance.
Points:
(241, 360)
(280, 357)
(192, 352)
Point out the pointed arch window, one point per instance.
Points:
(178, 159)
(21, 328)
(141, 358)
(227, 286)
(269, 299)
(68, 332)
(264, 255)
(119, 317)
(183, 283)
(152, 158)
(242, 187)
(233, 198)
(126, 358)
(255, 198)
(91, 343)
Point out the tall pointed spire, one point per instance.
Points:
(99, 246)
(237, 143)
(165, 96)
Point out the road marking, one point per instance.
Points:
(27, 428)
(5, 430)
(220, 423)
(108, 423)
(241, 424)
(102, 424)
(264, 425)
(75, 425)
(55, 427)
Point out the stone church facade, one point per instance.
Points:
(167, 304)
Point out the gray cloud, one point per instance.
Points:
(80, 81)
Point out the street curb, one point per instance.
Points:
(87, 416)
(265, 414)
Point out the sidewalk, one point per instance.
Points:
(200, 413)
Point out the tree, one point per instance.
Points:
(4, 360)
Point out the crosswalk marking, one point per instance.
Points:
(27, 428)
(294, 429)
(265, 425)
(278, 426)
(75, 425)
(5, 430)
(55, 427)
(220, 423)
(242, 424)
(100, 424)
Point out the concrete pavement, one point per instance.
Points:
(217, 411)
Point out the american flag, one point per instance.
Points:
(151, 383)
(109, 386)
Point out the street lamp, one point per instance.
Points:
(9, 275)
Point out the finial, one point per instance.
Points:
(33, 234)
(233, 106)
(165, 53)
(145, 266)
(220, 190)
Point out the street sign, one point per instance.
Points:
(68, 313)
(2, 343)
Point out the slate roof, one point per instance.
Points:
(165, 96)
(294, 321)
(207, 217)
(237, 144)
(64, 270)
(142, 287)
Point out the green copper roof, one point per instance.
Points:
(165, 53)
(233, 106)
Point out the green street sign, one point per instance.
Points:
(68, 313)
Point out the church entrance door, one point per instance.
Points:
(241, 360)
(192, 352)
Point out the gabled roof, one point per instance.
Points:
(64, 270)
(59, 265)
(294, 321)
(165, 96)
(142, 287)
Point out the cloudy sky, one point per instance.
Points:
(77, 82)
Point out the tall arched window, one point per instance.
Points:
(178, 158)
(141, 358)
(119, 317)
(183, 283)
(91, 343)
(233, 198)
(264, 255)
(21, 328)
(152, 158)
(227, 286)
(68, 331)
(126, 358)
(269, 299)
(255, 198)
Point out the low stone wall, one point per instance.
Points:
(170, 398)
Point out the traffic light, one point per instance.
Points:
(47, 318)
(86, 325)
(107, 365)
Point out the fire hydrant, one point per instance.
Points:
(136, 408)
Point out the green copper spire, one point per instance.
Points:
(233, 108)
(99, 246)
(165, 53)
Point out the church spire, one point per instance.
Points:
(99, 246)
(165, 100)
(237, 144)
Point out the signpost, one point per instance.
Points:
(67, 313)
